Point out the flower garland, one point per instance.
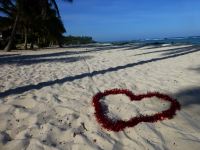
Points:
(118, 125)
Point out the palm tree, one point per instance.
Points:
(20, 12)
(8, 9)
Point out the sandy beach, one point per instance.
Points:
(46, 97)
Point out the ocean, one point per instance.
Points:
(178, 40)
(195, 40)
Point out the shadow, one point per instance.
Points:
(22, 89)
(94, 46)
(157, 46)
(41, 58)
(147, 45)
(26, 60)
(11, 59)
(84, 46)
(197, 69)
(189, 96)
(2, 56)
(100, 47)
(21, 57)
(167, 45)
(107, 48)
(134, 47)
(168, 50)
(180, 50)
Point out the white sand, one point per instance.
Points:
(45, 97)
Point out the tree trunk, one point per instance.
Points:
(38, 42)
(31, 47)
(12, 36)
(25, 38)
(59, 43)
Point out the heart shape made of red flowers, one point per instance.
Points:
(118, 125)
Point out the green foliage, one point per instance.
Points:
(74, 40)
(35, 21)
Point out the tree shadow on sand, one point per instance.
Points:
(11, 58)
(148, 46)
(133, 47)
(169, 51)
(8, 55)
(39, 58)
(42, 58)
(22, 89)
(189, 96)
(28, 61)
(106, 48)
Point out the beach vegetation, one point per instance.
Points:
(30, 21)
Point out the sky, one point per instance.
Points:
(120, 20)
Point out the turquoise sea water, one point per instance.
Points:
(195, 40)
(181, 40)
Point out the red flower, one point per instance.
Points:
(109, 124)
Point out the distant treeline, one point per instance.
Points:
(76, 40)
(66, 40)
